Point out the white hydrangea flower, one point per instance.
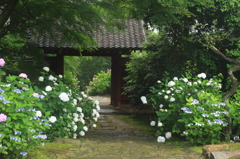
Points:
(189, 83)
(97, 102)
(75, 128)
(74, 102)
(158, 81)
(46, 69)
(38, 113)
(82, 121)
(144, 99)
(75, 114)
(52, 119)
(79, 109)
(82, 115)
(185, 80)
(202, 75)
(152, 123)
(85, 128)
(75, 119)
(161, 106)
(168, 92)
(64, 97)
(161, 139)
(97, 115)
(160, 124)
(165, 97)
(172, 99)
(74, 135)
(171, 83)
(175, 79)
(60, 76)
(95, 119)
(51, 78)
(98, 108)
(48, 88)
(79, 99)
(40, 79)
(168, 135)
(94, 125)
(82, 133)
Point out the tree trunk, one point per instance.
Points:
(228, 94)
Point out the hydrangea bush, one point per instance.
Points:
(72, 112)
(189, 107)
(21, 121)
(100, 84)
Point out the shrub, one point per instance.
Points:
(162, 57)
(100, 85)
(21, 121)
(72, 111)
(190, 107)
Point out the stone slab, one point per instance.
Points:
(225, 155)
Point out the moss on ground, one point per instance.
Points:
(50, 150)
(139, 122)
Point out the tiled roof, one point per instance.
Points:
(129, 38)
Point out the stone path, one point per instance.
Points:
(114, 138)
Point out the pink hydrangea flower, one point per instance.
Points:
(23, 75)
(35, 94)
(2, 62)
(3, 117)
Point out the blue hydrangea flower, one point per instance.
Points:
(194, 101)
(21, 109)
(1, 90)
(41, 96)
(47, 124)
(205, 115)
(15, 139)
(18, 90)
(1, 97)
(17, 132)
(5, 101)
(23, 153)
(200, 108)
(0, 135)
(186, 110)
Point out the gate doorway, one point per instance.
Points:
(113, 44)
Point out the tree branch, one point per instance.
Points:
(213, 48)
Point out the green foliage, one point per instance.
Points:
(19, 58)
(100, 85)
(234, 112)
(73, 110)
(84, 68)
(73, 20)
(24, 126)
(190, 107)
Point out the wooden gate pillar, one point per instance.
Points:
(116, 79)
(59, 64)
